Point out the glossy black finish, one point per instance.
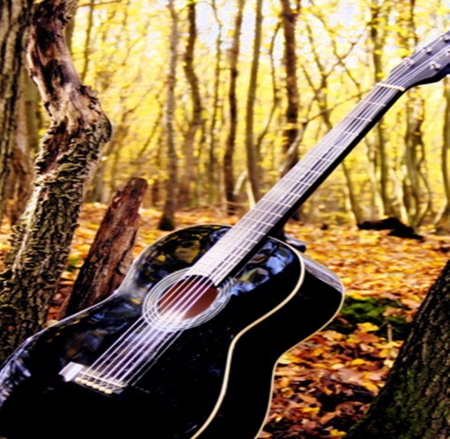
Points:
(176, 396)
(246, 403)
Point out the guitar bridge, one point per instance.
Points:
(88, 377)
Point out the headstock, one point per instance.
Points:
(429, 64)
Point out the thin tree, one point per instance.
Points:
(417, 194)
(443, 220)
(228, 160)
(380, 10)
(14, 19)
(167, 220)
(253, 154)
(290, 131)
(184, 195)
(216, 113)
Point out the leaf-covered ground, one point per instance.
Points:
(324, 385)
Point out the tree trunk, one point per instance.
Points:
(69, 152)
(414, 403)
(20, 183)
(228, 167)
(14, 20)
(110, 255)
(414, 159)
(184, 195)
(443, 220)
(33, 115)
(417, 196)
(379, 16)
(212, 168)
(290, 130)
(87, 41)
(167, 220)
(253, 155)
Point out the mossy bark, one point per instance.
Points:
(415, 402)
(69, 152)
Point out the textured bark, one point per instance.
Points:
(195, 123)
(69, 152)
(417, 194)
(22, 172)
(214, 173)
(415, 402)
(14, 20)
(443, 220)
(253, 155)
(379, 15)
(167, 221)
(415, 183)
(110, 255)
(290, 131)
(233, 112)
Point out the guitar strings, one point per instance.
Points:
(322, 143)
(318, 164)
(144, 339)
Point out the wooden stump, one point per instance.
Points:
(110, 255)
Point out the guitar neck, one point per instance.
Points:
(274, 209)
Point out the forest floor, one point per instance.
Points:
(323, 385)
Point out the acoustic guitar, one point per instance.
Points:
(186, 347)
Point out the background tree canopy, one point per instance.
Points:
(235, 119)
(122, 49)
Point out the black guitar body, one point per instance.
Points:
(213, 381)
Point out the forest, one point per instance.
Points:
(197, 111)
(254, 86)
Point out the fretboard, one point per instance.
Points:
(273, 210)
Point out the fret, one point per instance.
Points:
(217, 255)
(395, 87)
(278, 203)
(351, 133)
(240, 227)
(330, 145)
(264, 223)
(318, 158)
(224, 242)
(378, 104)
(308, 170)
(266, 211)
(234, 235)
(365, 119)
(287, 195)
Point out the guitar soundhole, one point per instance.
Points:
(187, 299)
(180, 301)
